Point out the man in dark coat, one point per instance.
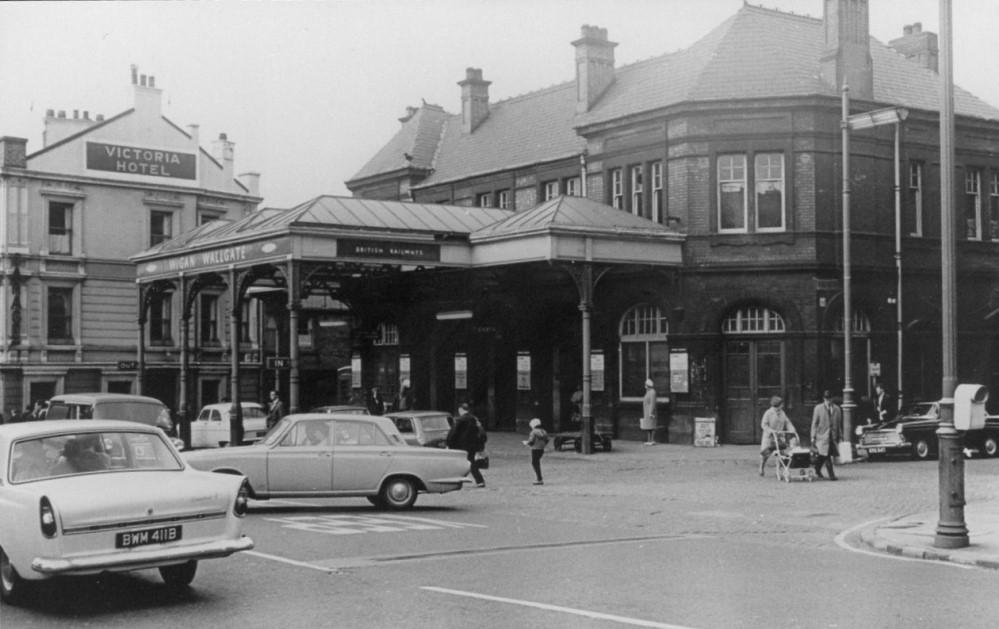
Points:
(883, 404)
(468, 434)
(827, 420)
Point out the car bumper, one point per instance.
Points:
(884, 448)
(139, 559)
(442, 485)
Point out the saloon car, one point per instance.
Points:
(423, 428)
(121, 406)
(211, 428)
(913, 432)
(81, 498)
(323, 455)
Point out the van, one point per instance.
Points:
(136, 408)
(211, 427)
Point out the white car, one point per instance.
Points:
(211, 428)
(81, 498)
(331, 455)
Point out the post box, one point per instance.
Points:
(969, 406)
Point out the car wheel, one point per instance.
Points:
(921, 449)
(990, 447)
(398, 493)
(223, 444)
(12, 586)
(179, 575)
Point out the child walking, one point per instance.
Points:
(537, 441)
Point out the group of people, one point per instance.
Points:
(31, 412)
(826, 432)
(404, 400)
(469, 434)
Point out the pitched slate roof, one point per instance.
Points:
(571, 214)
(413, 146)
(339, 213)
(755, 53)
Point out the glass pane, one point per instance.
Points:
(632, 369)
(659, 366)
(770, 204)
(737, 369)
(731, 201)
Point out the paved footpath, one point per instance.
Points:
(904, 534)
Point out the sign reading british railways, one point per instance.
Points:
(415, 251)
(136, 160)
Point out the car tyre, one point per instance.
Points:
(921, 449)
(990, 447)
(12, 587)
(179, 575)
(223, 444)
(398, 493)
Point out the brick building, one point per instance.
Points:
(71, 213)
(735, 143)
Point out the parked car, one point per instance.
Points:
(211, 427)
(81, 498)
(913, 432)
(347, 409)
(423, 428)
(316, 454)
(122, 406)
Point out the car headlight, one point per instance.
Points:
(47, 518)
(858, 431)
(242, 503)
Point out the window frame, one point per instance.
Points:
(209, 320)
(722, 180)
(994, 206)
(160, 319)
(503, 199)
(164, 220)
(62, 234)
(758, 179)
(916, 189)
(573, 186)
(616, 176)
(549, 190)
(484, 199)
(973, 195)
(67, 319)
(657, 191)
(646, 325)
(636, 181)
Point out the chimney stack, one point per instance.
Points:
(148, 99)
(58, 127)
(252, 183)
(594, 66)
(13, 152)
(847, 54)
(223, 151)
(918, 46)
(474, 99)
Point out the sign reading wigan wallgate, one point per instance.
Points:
(136, 160)
(425, 252)
(241, 254)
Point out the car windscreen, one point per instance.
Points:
(74, 454)
(435, 422)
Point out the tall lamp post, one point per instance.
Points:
(951, 530)
(856, 122)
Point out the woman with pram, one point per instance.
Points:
(775, 422)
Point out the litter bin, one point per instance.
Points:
(704, 432)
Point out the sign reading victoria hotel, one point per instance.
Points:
(136, 160)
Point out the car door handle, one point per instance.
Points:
(384, 453)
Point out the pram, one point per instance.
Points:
(793, 461)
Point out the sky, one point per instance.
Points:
(309, 91)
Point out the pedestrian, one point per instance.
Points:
(405, 400)
(275, 410)
(648, 421)
(827, 419)
(577, 405)
(774, 422)
(468, 434)
(882, 404)
(376, 405)
(537, 441)
(15, 416)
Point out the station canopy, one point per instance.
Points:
(356, 234)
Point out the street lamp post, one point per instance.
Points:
(951, 531)
(856, 122)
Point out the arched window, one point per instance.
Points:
(644, 352)
(753, 320)
(861, 324)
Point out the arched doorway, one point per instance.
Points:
(755, 369)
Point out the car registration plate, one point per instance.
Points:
(145, 537)
(875, 450)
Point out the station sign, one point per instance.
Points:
(278, 362)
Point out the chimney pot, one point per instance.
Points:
(100, 117)
(152, 81)
(135, 74)
(917, 27)
(50, 113)
(142, 80)
(86, 115)
(907, 29)
(223, 136)
(76, 114)
(62, 113)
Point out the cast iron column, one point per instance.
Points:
(183, 420)
(846, 452)
(951, 530)
(236, 414)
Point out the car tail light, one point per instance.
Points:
(242, 499)
(47, 518)
(898, 428)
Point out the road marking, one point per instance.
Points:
(356, 524)
(842, 543)
(300, 564)
(636, 622)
